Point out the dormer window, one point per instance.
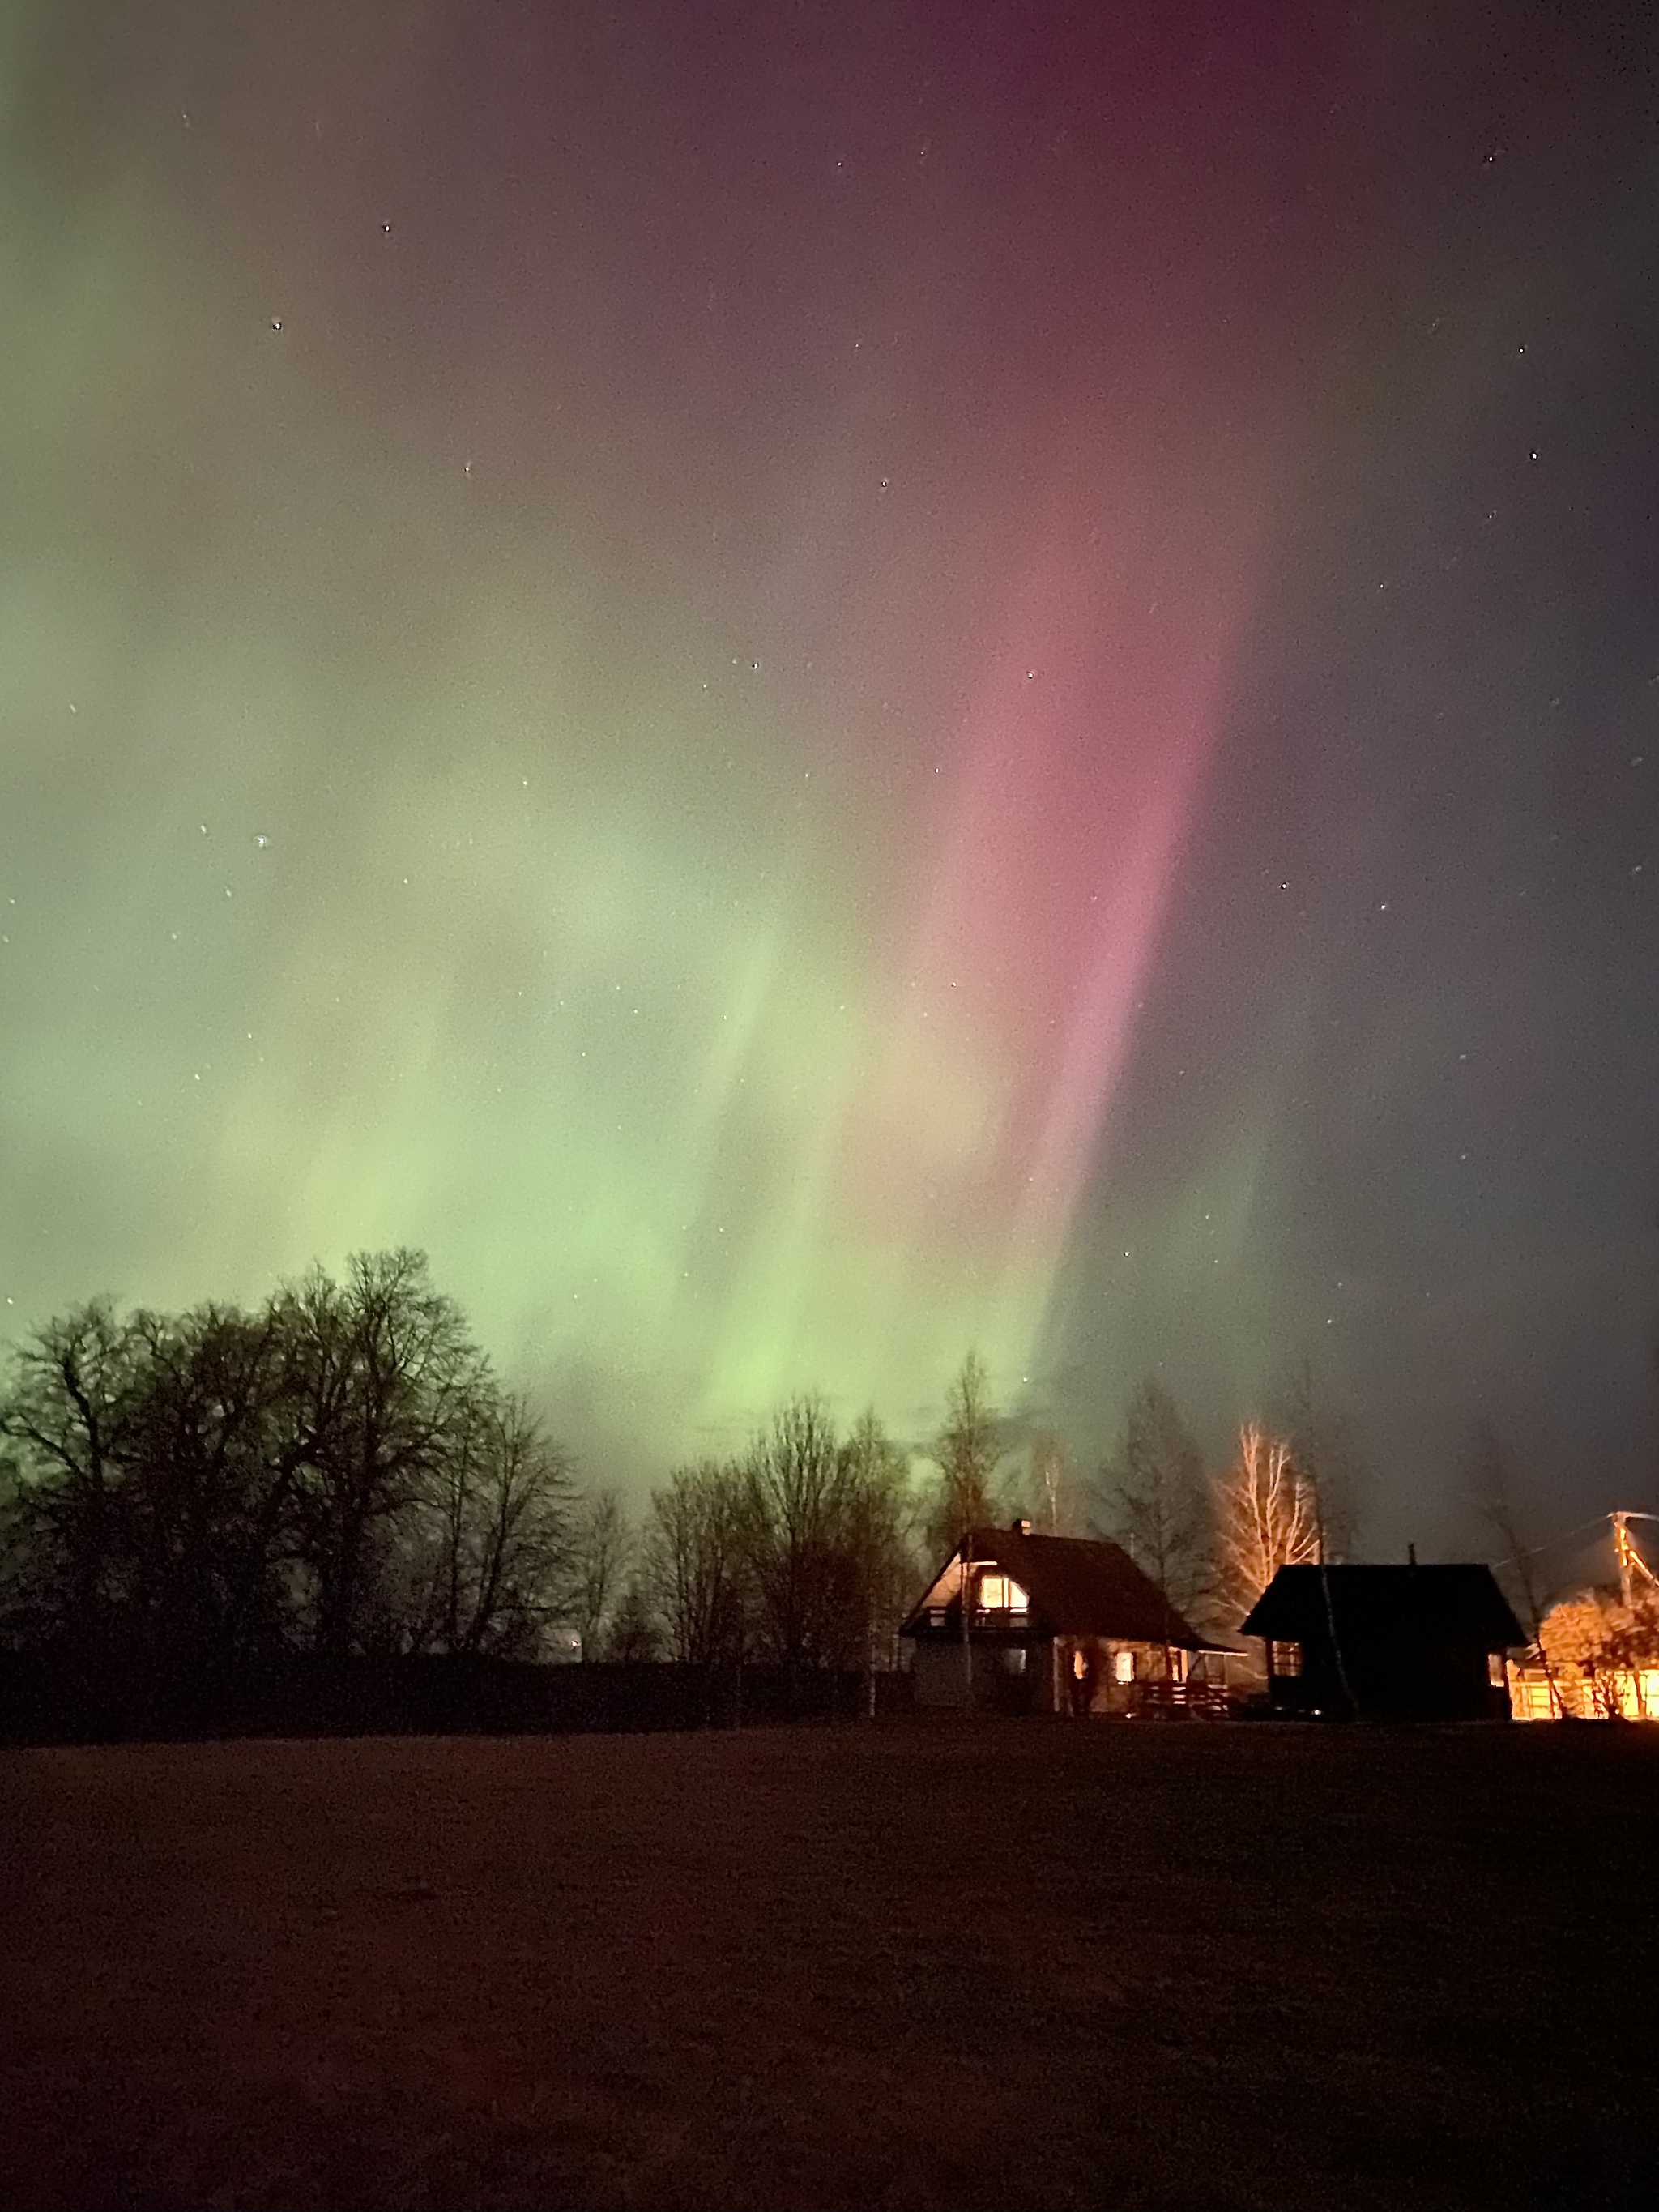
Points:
(1000, 1592)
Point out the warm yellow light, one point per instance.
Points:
(1001, 1594)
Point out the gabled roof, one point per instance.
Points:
(1459, 1604)
(1076, 1587)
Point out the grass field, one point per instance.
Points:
(1003, 1965)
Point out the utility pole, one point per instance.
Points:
(1631, 1562)
(967, 1642)
(1352, 1703)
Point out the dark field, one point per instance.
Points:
(1004, 1965)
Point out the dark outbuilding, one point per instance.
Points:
(1387, 1642)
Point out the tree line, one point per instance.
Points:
(340, 1471)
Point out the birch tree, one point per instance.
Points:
(1267, 1517)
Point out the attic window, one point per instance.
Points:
(1286, 1659)
(1001, 1594)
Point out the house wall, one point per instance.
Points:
(1102, 1655)
(939, 1672)
(1006, 1677)
(1396, 1680)
(1038, 1676)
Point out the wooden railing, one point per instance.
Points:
(982, 1616)
(1207, 1699)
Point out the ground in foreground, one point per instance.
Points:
(1004, 1965)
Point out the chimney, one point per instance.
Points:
(1021, 1527)
(1411, 1554)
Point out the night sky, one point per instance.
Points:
(812, 683)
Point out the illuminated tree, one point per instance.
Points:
(1267, 1517)
(1598, 1647)
(966, 1451)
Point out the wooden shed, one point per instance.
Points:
(1386, 1642)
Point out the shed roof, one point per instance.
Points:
(1445, 1604)
(1075, 1586)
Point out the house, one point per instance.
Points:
(1386, 1642)
(1054, 1625)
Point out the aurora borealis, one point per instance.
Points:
(811, 684)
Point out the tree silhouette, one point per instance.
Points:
(1154, 1500)
(794, 1523)
(1054, 1490)
(967, 1451)
(335, 1471)
(695, 1562)
(384, 1381)
(602, 1549)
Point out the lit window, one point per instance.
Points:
(1287, 1659)
(1000, 1594)
(1496, 1673)
(1123, 1666)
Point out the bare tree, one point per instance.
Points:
(1494, 1493)
(1267, 1517)
(385, 1380)
(338, 1469)
(1054, 1487)
(211, 1478)
(602, 1548)
(636, 1630)
(68, 1417)
(1325, 1451)
(500, 1497)
(876, 1522)
(794, 1529)
(968, 1451)
(1154, 1496)
(695, 1530)
(1599, 1648)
